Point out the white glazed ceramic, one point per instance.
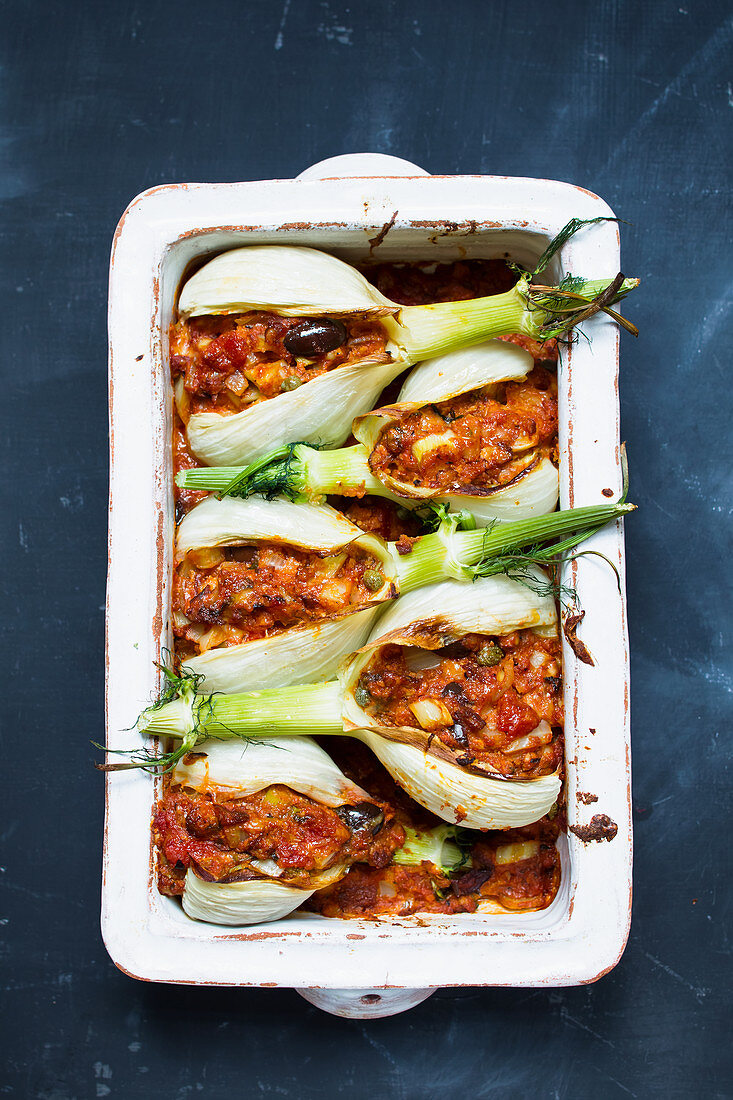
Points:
(342, 966)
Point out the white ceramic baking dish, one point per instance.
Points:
(360, 968)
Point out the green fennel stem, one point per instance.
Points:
(445, 553)
(341, 472)
(296, 471)
(313, 709)
(436, 846)
(428, 331)
(216, 479)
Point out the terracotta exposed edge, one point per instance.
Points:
(620, 553)
(590, 194)
(163, 188)
(467, 227)
(159, 393)
(159, 529)
(137, 201)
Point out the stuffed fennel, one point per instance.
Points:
(270, 593)
(468, 429)
(246, 833)
(448, 869)
(491, 767)
(296, 315)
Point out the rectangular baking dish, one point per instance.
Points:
(582, 934)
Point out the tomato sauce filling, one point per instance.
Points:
(496, 701)
(395, 890)
(527, 884)
(377, 516)
(481, 440)
(405, 284)
(420, 284)
(279, 823)
(227, 363)
(224, 596)
(220, 838)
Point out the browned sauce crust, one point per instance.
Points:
(403, 891)
(423, 283)
(601, 827)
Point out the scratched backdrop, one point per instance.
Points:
(633, 101)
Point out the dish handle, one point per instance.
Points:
(365, 1004)
(354, 165)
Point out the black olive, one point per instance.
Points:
(316, 337)
(459, 735)
(363, 815)
(470, 882)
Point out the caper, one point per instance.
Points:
(373, 579)
(290, 384)
(362, 696)
(490, 654)
(315, 337)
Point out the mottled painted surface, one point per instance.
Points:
(630, 100)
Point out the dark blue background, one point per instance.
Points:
(99, 101)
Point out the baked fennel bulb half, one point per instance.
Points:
(216, 784)
(525, 482)
(433, 759)
(293, 281)
(311, 583)
(237, 616)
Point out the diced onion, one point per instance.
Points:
(334, 593)
(431, 714)
(267, 867)
(525, 443)
(513, 853)
(540, 735)
(421, 448)
(332, 563)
